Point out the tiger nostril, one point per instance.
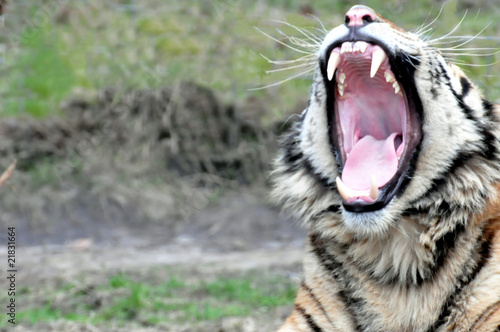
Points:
(367, 19)
(347, 19)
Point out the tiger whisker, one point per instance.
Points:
(426, 27)
(463, 63)
(304, 32)
(282, 81)
(467, 37)
(451, 50)
(306, 58)
(471, 54)
(472, 38)
(455, 28)
(324, 31)
(289, 68)
(282, 43)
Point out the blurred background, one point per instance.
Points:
(143, 133)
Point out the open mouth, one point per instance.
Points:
(374, 123)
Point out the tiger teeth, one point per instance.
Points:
(348, 193)
(357, 47)
(374, 192)
(342, 78)
(344, 190)
(346, 48)
(361, 46)
(378, 57)
(397, 88)
(333, 63)
(341, 88)
(389, 77)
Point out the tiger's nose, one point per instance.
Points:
(359, 16)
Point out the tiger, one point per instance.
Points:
(394, 168)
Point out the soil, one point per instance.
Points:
(240, 232)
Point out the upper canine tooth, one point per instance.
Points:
(378, 57)
(333, 63)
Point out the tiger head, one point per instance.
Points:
(392, 130)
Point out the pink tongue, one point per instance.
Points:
(370, 157)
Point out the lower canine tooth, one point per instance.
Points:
(348, 193)
(344, 190)
(374, 192)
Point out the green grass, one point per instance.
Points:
(123, 300)
(212, 43)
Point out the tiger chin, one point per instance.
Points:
(395, 169)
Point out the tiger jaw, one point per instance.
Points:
(373, 126)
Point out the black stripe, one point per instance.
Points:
(316, 300)
(443, 246)
(291, 152)
(294, 159)
(460, 97)
(489, 141)
(329, 210)
(333, 208)
(465, 86)
(489, 107)
(292, 156)
(469, 113)
(352, 303)
(484, 256)
(458, 162)
(487, 137)
(310, 321)
(325, 182)
(415, 211)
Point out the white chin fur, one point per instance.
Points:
(369, 224)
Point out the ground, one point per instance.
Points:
(239, 239)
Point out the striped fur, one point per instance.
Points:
(430, 259)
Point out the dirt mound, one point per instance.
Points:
(143, 162)
(184, 128)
